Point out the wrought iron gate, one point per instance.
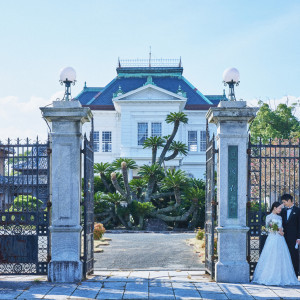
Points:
(273, 169)
(88, 207)
(210, 206)
(24, 207)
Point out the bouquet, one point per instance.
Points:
(272, 227)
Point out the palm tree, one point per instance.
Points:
(177, 148)
(141, 194)
(152, 173)
(116, 199)
(154, 142)
(130, 163)
(176, 118)
(102, 169)
(137, 185)
(196, 194)
(149, 171)
(176, 180)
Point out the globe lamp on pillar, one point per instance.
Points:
(67, 77)
(231, 76)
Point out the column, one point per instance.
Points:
(66, 118)
(232, 118)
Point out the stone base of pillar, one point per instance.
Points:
(65, 271)
(232, 272)
(232, 265)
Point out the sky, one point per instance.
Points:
(39, 38)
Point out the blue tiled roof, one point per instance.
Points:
(127, 83)
(88, 93)
(215, 99)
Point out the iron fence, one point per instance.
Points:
(24, 207)
(273, 169)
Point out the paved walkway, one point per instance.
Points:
(140, 285)
(148, 251)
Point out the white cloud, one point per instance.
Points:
(273, 103)
(22, 119)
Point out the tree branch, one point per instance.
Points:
(154, 152)
(116, 184)
(102, 176)
(167, 209)
(107, 219)
(168, 143)
(172, 156)
(161, 195)
(126, 182)
(150, 187)
(182, 218)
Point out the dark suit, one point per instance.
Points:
(291, 229)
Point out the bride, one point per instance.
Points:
(275, 266)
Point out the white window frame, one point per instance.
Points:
(152, 129)
(202, 140)
(193, 143)
(141, 134)
(106, 143)
(96, 139)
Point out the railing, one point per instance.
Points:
(149, 63)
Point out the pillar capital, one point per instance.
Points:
(231, 111)
(67, 111)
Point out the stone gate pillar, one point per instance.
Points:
(232, 118)
(67, 118)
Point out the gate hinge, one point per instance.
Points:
(248, 151)
(48, 258)
(216, 151)
(248, 204)
(214, 203)
(82, 151)
(49, 151)
(49, 204)
(248, 258)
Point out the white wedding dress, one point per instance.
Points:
(275, 266)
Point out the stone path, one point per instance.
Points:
(148, 251)
(150, 285)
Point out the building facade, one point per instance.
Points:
(134, 106)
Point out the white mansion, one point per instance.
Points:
(134, 106)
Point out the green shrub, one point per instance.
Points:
(99, 231)
(140, 208)
(254, 206)
(26, 203)
(200, 234)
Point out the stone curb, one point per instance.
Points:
(146, 231)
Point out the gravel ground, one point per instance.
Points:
(148, 251)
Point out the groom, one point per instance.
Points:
(291, 226)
